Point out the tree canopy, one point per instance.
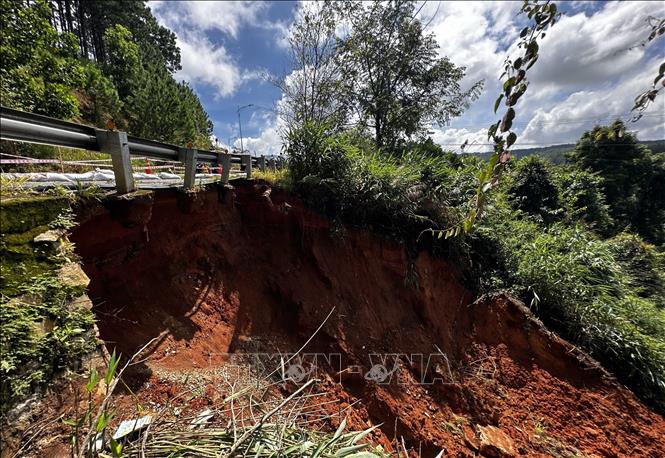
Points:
(98, 61)
(395, 81)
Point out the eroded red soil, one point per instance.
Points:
(246, 271)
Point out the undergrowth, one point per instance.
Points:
(547, 237)
(41, 331)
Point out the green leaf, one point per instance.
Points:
(512, 137)
(361, 435)
(340, 430)
(113, 365)
(507, 121)
(347, 451)
(496, 104)
(116, 448)
(508, 84)
(92, 382)
(524, 32)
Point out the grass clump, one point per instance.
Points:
(341, 175)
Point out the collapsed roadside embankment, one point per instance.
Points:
(249, 270)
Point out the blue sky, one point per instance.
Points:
(587, 72)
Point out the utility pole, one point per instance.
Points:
(242, 148)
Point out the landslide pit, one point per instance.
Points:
(244, 270)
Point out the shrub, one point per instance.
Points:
(533, 189)
(582, 197)
(643, 264)
(582, 289)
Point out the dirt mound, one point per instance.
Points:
(246, 271)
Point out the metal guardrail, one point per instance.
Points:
(20, 126)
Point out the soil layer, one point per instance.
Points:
(247, 270)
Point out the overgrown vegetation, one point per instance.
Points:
(548, 237)
(44, 325)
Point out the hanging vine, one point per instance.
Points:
(644, 99)
(515, 84)
(542, 15)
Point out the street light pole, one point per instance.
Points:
(242, 148)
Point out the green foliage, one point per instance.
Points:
(582, 197)
(533, 189)
(124, 60)
(633, 178)
(393, 75)
(582, 287)
(39, 65)
(643, 264)
(46, 68)
(99, 99)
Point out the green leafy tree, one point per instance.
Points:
(582, 197)
(40, 67)
(158, 108)
(89, 21)
(534, 190)
(632, 178)
(99, 100)
(395, 82)
(124, 59)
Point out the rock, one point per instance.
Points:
(71, 275)
(81, 302)
(495, 443)
(52, 237)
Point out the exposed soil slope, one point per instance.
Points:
(248, 271)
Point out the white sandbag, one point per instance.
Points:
(145, 176)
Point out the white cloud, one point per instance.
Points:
(472, 34)
(203, 62)
(590, 50)
(586, 72)
(227, 17)
(567, 120)
(452, 139)
(268, 142)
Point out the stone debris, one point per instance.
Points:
(495, 443)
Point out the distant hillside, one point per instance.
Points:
(555, 153)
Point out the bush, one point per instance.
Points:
(582, 197)
(643, 264)
(581, 288)
(343, 177)
(533, 189)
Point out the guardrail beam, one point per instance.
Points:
(116, 144)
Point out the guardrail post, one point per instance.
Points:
(247, 160)
(262, 163)
(116, 144)
(225, 161)
(188, 156)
